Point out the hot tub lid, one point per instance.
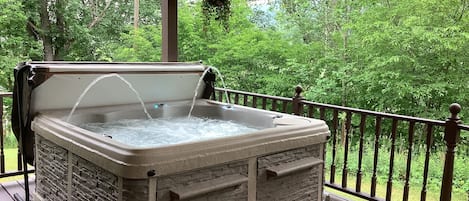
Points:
(58, 85)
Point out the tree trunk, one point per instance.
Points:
(45, 36)
(345, 34)
(61, 40)
(136, 13)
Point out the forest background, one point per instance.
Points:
(405, 57)
(395, 56)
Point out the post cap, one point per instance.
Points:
(298, 89)
(454, 109)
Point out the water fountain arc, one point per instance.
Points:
(95, 81)
(198, 86)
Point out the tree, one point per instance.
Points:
(75, 30)
(414, 54)
(15, 46)
(140, 45)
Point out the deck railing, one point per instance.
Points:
(384, 128)
(342, 121)
(5, 128)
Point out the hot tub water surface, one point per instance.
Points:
(167, 131)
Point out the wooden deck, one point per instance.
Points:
(14, 190)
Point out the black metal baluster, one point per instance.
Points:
(236, 100)
(2, 153)
(254, 101)
(245, 100)
(228, 96)
(284, 106)
(220, 95)
(360, 153)
(19, 159)
(423, 195)
(310, 111)
(348, 120)
(375, 157)
(335, 125)
(322, 113)
(391, 159)
(264, 103)
(274, 105)
(409, 160)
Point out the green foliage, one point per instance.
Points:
(10, 141)
(219, 10)
(409, 45)
(141, 45)
(78, 30)
(244, 52)
(405, 57)
(15, 46)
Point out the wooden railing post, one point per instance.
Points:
(297, 101)
(451, 138)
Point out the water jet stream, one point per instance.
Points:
(198, 85)
(82, 95)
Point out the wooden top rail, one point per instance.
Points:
(373, 113)
(464, 127)
(347, 109)
(254, 94)
(5, 94)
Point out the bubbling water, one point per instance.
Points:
(167, 131)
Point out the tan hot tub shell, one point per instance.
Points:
(263, 165)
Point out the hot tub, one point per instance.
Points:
(281, 159)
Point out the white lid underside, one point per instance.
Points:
(155, 84)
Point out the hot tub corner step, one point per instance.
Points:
(198, 189)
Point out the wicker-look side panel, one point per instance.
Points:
(90, 182)
(300, 186)
(193, 177)
(238, 193)
(65, 176)
(135, 190)
(51, 176)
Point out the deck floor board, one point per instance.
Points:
(10, 188)
(32, 186)
(4, 194)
